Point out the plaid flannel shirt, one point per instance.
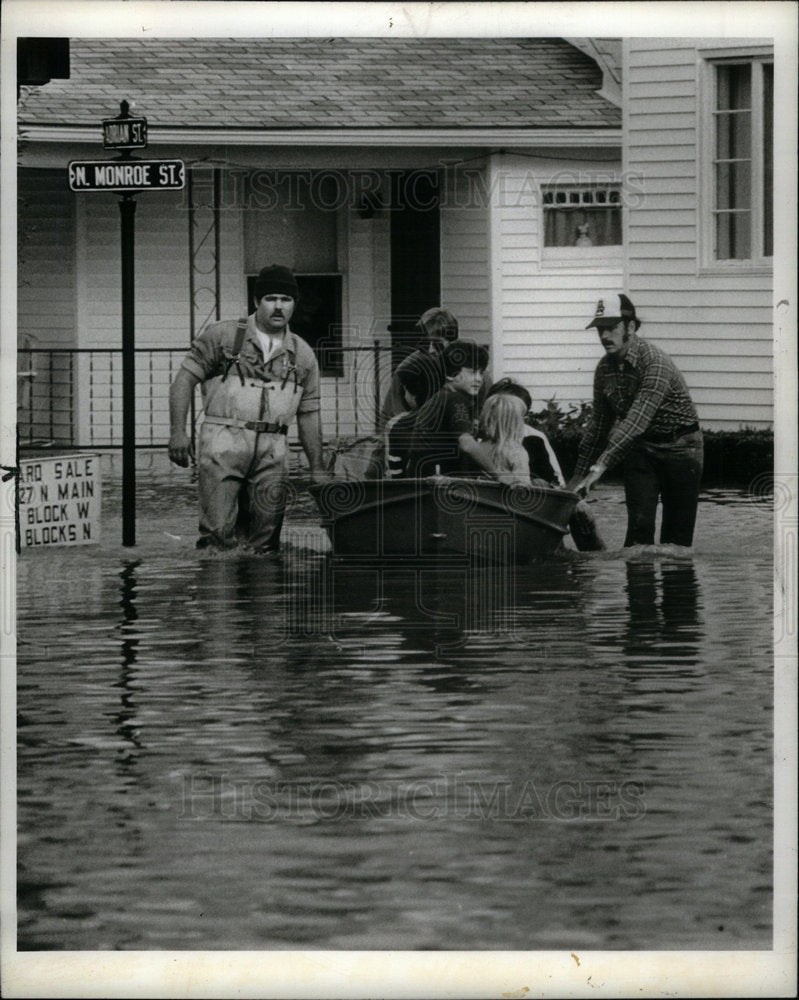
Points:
(644, 394)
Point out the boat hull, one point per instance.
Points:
(417, 517)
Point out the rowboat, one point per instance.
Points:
(420, 517)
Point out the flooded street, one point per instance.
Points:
(245, 753)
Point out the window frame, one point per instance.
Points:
(756, 56)
(574, 256)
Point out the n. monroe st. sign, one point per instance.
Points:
(127, 175)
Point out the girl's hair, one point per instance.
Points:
(502, 427)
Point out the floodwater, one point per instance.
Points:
(244, 753)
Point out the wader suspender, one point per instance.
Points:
(232, 357)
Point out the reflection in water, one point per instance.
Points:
(310, 752)
(127, 726)
(664, 607)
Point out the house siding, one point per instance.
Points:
(465, 287)
(541, 308)
(161, 271)
(717, 327)
(70, 297)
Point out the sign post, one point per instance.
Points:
(127, 211)
(124, 132)
(126, 176)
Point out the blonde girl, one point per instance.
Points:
(501, 433)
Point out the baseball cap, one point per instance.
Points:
(612, 309)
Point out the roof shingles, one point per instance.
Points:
(278, 83)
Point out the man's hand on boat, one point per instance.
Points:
(584, 484)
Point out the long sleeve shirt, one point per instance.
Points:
(645, 394)
(437, 430)
(423, 373)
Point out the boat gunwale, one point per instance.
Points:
(426, 486)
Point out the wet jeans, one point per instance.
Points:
(672, 473)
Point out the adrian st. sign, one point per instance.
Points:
(125, 133)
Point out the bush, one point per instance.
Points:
(563, 424)
(732, 458)
(564, 428)
(738, 457)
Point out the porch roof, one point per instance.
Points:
(337, 84)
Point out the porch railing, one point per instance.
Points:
(73, 397)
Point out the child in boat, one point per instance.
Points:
(544, 468)
(443, 431)
(500, 433)
(422, 372)
(543, 462)
(398, 433)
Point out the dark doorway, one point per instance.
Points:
(415, 254)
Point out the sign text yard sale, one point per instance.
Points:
(59, 501)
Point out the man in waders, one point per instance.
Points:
(256, 376)
(642, 415)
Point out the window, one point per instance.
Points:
(295, 218)
(587, 215)
(317, 318)
(742, 222)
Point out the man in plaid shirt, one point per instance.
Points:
(642, 415)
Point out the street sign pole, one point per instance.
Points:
(127, 211)
(127, 175)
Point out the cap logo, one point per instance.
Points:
(600, 307)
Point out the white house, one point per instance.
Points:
(393, 174)
(488, 175)
(698, 167)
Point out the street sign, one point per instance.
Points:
(127, 175)
(125, 133)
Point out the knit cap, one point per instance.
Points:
(276, 280)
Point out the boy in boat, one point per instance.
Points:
(443, 432)
(422, 372)
(398, 432)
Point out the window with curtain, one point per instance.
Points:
(586, 215)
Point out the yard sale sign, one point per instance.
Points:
(59, 501)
